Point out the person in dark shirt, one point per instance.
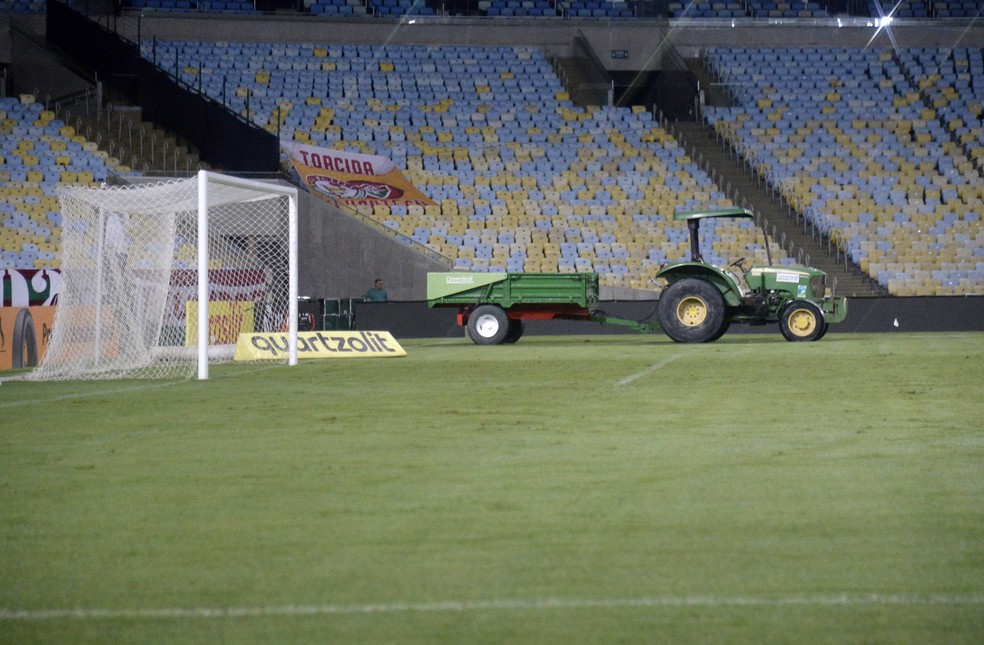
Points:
(377, 293)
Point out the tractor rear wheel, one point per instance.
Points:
(692, 311)
(488, 325)
(802, 320)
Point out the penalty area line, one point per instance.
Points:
(450, 606)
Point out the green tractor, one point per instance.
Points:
(700, 300)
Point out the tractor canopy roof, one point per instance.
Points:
(681, 216)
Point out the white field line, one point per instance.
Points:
(451, 606)
(143, 385)
(84, 395)
(649, 370)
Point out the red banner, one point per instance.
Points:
(351, 179)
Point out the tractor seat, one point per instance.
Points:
(740, 281)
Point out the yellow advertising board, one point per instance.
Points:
(319, 344)
(226, 320)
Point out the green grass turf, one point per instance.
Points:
(564, 489)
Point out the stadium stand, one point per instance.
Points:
(523, 179)
(534, 8)
(581, 9)
(922, 9)
(22, 6)
(878, 154)
(399, 8)
(883, 158)
(336, 7)
(224, 6)
(900, 9)
(955, 8)
(731, 9)
(593, 9)
(791, 9)
(37, 153)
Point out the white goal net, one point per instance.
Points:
(138, 260)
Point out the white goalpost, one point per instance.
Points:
(139, 261)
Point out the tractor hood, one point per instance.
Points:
(802, 282)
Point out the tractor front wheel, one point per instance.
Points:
(692, 311)
(488, 325)
(802, 320)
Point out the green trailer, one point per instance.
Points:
(698, 304)
(492, 307)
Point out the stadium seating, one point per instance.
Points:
(582, 9)
(336, 7)
(37, 153)
(399, 7)
(517, 8)
(786, 9)
(922, 9)
(955, 8)
(23, 6)
(881, 154)
(522, 179)
(593, 9)
(731, 9)
(205, 6)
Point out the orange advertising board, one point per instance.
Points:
(24, 335)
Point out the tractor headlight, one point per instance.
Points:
(818, 286)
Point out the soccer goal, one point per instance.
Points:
(138, 261)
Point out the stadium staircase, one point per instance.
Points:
(577, 79)
(143, 146)
(713, 94)
(751, 193)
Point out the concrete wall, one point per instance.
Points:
(5, 39)
(34, 70)
(13, 55)
(865, 315)
(621, 45)
(691, 38)
(339, 256)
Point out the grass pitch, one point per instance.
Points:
(564, 489)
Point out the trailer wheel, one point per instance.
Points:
(516, 328)
(802, 320)
(488, 325)
(692, 311)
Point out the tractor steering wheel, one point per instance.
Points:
(738, 263)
